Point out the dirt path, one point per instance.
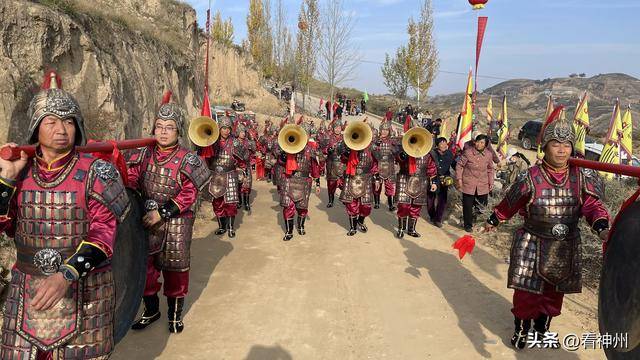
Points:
(328, 296)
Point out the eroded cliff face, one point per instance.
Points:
(117, 58)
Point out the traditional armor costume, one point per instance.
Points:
(169, 180)
(546, 253)
(245, 176)
(334, 167)
(268, 142)
(62, 216)
(415, 178)
(300, 170)
(386, 176)
(357, 194)
(224, 185)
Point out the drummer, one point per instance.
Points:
(545, 260)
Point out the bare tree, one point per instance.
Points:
(307, 43)
(338, 56)
(396, 73)
(422, 61)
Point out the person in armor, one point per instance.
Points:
(357, 195)
(545, 260)
(266, 143)
(437, 201)
(386, 176)
(416, 178)
(169, 178)
(228, 154)
(245, 175)
(301, 170)
(334, 166)
(61, 208)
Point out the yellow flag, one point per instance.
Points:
(547, 113)
(443, 129)
(466, 121)
(626, 140)
(581, 123)
(503, 132)
(610, 153)
(490, 112)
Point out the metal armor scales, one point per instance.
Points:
(297, 186)
(224, 177)
(52, 222)
(335, 167)
(547, 248)
(359, 185)
(412, 189)
(161, 182)
(384, 153)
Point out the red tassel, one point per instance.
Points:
(116, 158)
(464, 245)
(412, 165)
(352, 163)
(206, 106)
(206, 152)
(291, 164)
(46, 82)
(407, 123)
(166, 97)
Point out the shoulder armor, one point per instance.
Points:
(135, 156)
(195, 169)
(105, 185)
(521, 186)
(592, 183)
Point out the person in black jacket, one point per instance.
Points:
(437, 201)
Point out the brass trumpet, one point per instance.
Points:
(417, 142)
(203, 131)
(357, 136)
(292, 138)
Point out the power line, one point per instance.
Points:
(444, 71)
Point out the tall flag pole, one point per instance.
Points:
(547, 113)
(581, 124)
(503, 132)
(206, 152)
(626, 136)
(466, 120)
(610, 153)
(489, 115)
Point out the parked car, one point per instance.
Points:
(593, 151)
(528, 135)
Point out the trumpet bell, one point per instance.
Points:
(417, 142)
(203, 131)
(357, 136)
(292, 138)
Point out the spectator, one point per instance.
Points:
(474, 178)
(409, 110)
(363, 106)
(437, 201)
(516, 163)
(389, 114)
(327, 105)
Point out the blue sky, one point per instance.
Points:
(533, 39)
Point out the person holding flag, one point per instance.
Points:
(545, 260)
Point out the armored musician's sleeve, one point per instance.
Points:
(593, 209)
(516, 198)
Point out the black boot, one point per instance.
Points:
(361, 226)
(230, 224)
(519, 338)
(222, 225)
(353, 223)
(288, 235)
(247, 206)
(541, 325)
(392, 207)
(241, 200)
(301, 220)
(151, 312)
(402, 226)
(269, 176)
(330, 203)
(411, 227)
(376, 201)
(175, 314)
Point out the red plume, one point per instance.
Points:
(46, 82)
(300, 120)
(166, 97)
(552, 117)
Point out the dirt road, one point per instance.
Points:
(329, 296)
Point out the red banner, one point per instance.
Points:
(482, 26)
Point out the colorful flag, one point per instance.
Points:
(365, 96)
(547, 113)
(581, 123)
(466, 121)
(610, 153)
(626, 135)
(490, 112)
(503, 130)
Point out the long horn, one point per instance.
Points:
(13, 153)
(357, 136)
(417, 142)
(203, 131)
(292, 138)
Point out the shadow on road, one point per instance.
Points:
(475, 305)
(276, 352)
